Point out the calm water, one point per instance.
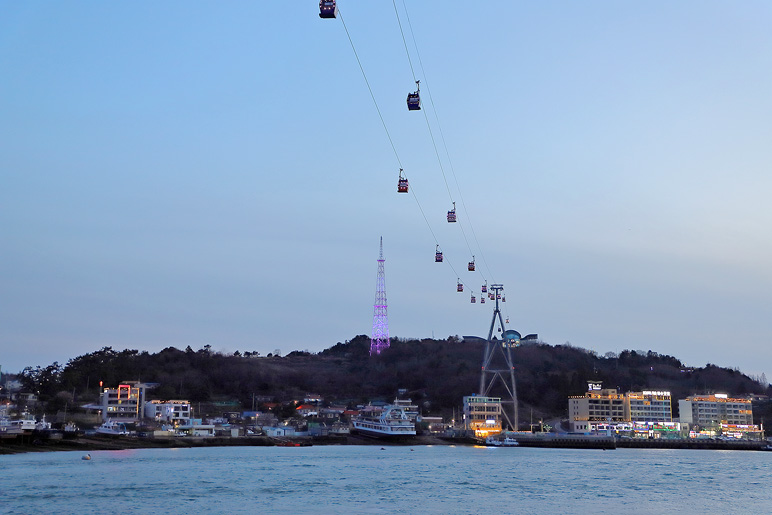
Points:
(366, 479)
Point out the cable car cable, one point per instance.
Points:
(385, 128)
(388, 134)
(442, 136)
(370, 89)
(394, 2)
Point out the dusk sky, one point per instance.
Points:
(191, 173)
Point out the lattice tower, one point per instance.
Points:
(498, 367)
(380, 336)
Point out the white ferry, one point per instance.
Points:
(387, 422)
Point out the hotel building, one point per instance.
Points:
(598, 405)
(649, 406)
(712, 410)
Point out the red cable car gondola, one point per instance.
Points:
(402, 184)
(471, 265)
(437, 255)
(414, 99)
(328, 9)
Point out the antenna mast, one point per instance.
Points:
(380, 335)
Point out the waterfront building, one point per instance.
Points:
(604, 410)
(715, 409)
(482, 415)
(125, 403)
(176, 412)
(596, 406)
(649, 406)
(719, 414)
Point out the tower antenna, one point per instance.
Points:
(380, 335)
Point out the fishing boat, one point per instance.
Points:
(110, 427)
(507, 441)
(390, 421)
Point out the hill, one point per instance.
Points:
(436, 374)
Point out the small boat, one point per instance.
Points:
(113, 428)
(507, 441)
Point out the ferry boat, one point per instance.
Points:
(390, 421)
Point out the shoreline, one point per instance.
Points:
(29, 443)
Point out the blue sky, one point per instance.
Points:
(201, 173)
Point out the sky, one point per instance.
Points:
(208, 173)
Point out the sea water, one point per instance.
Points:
(389, 479)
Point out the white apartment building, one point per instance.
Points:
(125, 403)
(175, 412)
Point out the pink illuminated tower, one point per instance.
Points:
(380, 335)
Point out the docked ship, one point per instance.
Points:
(390, 421)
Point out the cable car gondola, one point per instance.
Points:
(459, 287)
(507, 321)
(473, 299)
(482, 299)
(414, 99)
(485, 287)
(438, 255)
(503, 298)
(328, 9)
(471, 265)
(402, 184)
(452, 214)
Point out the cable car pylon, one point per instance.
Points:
(497, 365)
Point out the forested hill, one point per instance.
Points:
(436, 374)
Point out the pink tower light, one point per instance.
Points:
(380, 335)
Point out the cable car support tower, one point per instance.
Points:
(497, 365)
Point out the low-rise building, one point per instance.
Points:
(482, 415)
(307, 410)
(176, 412)
(126, 403)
